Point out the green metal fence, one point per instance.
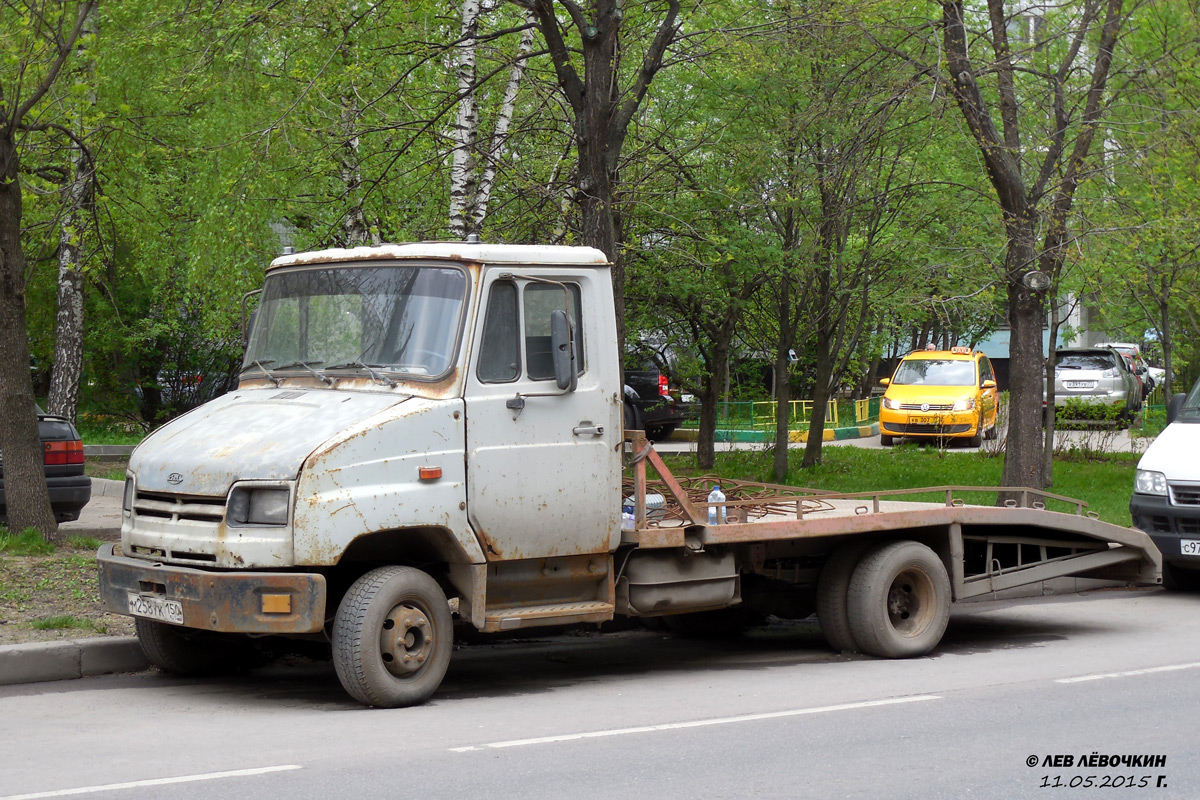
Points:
(760, 415)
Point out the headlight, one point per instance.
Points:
(249, 505)
(890, 404)
(1148, 482)
(964, 405)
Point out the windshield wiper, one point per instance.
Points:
(264, 371)
(375, 376)
(325, 379)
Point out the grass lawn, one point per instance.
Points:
(1104, 481)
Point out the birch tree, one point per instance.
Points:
(473, 170)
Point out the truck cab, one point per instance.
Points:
(451, 411)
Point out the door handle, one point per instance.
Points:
(588, 430)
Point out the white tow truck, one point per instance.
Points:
(432, 434)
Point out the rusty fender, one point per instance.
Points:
(229, 602)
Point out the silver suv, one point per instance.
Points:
(1097, 375)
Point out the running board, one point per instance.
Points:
(511, 619)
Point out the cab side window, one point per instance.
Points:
(504, 340)
(500, 355)
(540, 300)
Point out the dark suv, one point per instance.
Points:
(658, 411)
(70, 489)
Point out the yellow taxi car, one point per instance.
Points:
(940, 394)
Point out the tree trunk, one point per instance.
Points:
(466, 127)
(68, 339)
(27, 501)
(820, 399)
(508, 105)
(1026, 315)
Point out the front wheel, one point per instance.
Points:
(898, 602)
(392, 638)
(885, 440)
(977, 439)
(1179, 579)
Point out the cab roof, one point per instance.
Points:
(474, 252)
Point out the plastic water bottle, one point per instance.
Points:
(716, 514)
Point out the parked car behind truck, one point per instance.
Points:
(433, 431)
(1166, 492)
(63, 464)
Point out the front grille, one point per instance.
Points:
(179, 507)
(920, 407)
(1185, 494)
(937, 430)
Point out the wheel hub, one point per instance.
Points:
(907, 602)
(406, 640)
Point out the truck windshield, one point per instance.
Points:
(401, 319)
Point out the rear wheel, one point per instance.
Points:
(832, 585)
(898, 601)
(392, 637)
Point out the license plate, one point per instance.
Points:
(1078, 384)
(156, 608)
(1189, 547)
(917, 419)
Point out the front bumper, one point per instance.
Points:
(933, 423)
(229, 602)
(1167, 525)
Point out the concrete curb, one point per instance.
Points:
(103, 487)
(77, 658)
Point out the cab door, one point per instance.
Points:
(543, 464)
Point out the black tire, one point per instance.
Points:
(392, 638)
(885, 440)
(977, 439)
(832, 586)
(899, 600)
(633, 417)
(1179, 579)
(657, 433)
(187, 651)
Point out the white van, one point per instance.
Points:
(1166, 492)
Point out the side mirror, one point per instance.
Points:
(885, 381)
(1174, 406)
(989, 384)
(562, 348)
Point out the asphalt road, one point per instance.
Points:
(633, 713)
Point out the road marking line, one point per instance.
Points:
(700, 723)
(1147, 671)
(237, 773)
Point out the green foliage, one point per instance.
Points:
(1104, 482)
(65, 622)
(1078, 414)
(26, 543)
